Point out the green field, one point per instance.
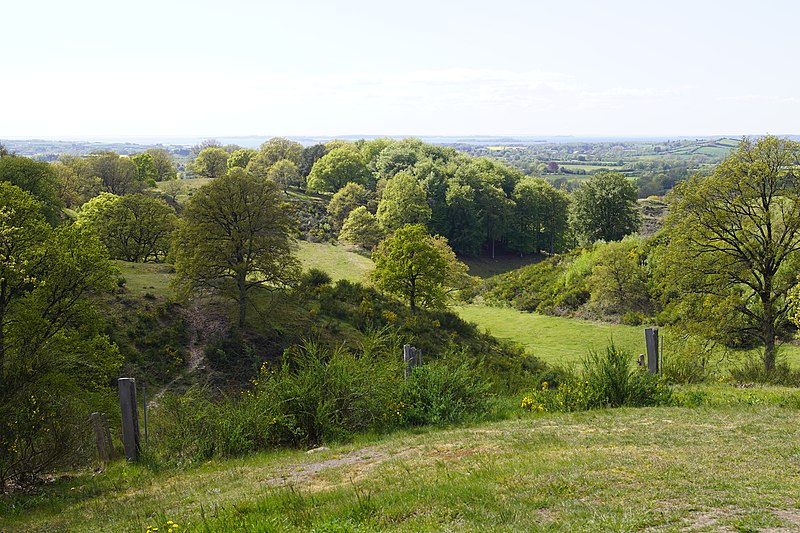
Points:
(560, 340)
(146, 278)
(730, 465)
(340, 262)
(553, 339)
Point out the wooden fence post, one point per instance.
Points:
(409, 357)
(130, 418)
(105, 449)
(651, 342)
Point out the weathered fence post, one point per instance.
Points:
(130, 418)
(651, 342)
(105, 449)
(409, 357)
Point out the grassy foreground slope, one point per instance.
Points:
(710, 468)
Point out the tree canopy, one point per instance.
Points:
(417, 267)
(337, 168)
(133, 227)
(604, 208)
(234, 236)
(50, 336)
(735, 236)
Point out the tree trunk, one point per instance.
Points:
(768, 332)
(242, 289)
(3, 289)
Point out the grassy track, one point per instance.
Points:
(713, 468)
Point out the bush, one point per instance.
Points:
(324, 395)
(609, 379)
(440, 393)
(752, 370)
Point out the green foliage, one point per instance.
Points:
(608, 379)
(337, 168)
(559, 285)
(362, 228)
(309, 156)
(284, 172)
(271, 152)
(146, 168)
(36, 177)
(317, 395)
(443, 392)
(234, 236)
(539, 220)
(163, 163)
(403, 202)
(345, 200)
(619, 280)
(240, 158)
(54, 361)
(734, 240)
(604, 208)
(134, 227)
(211, 162)
(417, 267)
(118, 174)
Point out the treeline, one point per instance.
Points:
(478, 204)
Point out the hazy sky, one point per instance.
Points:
(85, 68)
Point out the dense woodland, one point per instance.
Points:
(722, 269)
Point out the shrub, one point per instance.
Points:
(319, 395)
(752, 370)
(440, 393)
(608, 380)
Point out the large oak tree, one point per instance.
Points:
(735, 237)
(234, 236)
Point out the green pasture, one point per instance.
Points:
(339, 261)
(553, 339)
(146, 278)
(559, 340)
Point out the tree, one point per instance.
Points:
(417, 267)
(234, 236)
(146, 167)
(54, 360)
(241, 158)
(337, 168)
(284, 173)
(36, 177)
(539, 220)
(735, 236)
(273, 151)
(346, 200)
(134, 227)
(309, 156)
(211, 162)
(496, 208)
(164, 164)
(619, 279)
(361, 228)
(118, 174)
(403, 202)
(604, 208)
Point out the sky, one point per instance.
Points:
(101, 69)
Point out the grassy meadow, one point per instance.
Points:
(729, 464)
(340, 262)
